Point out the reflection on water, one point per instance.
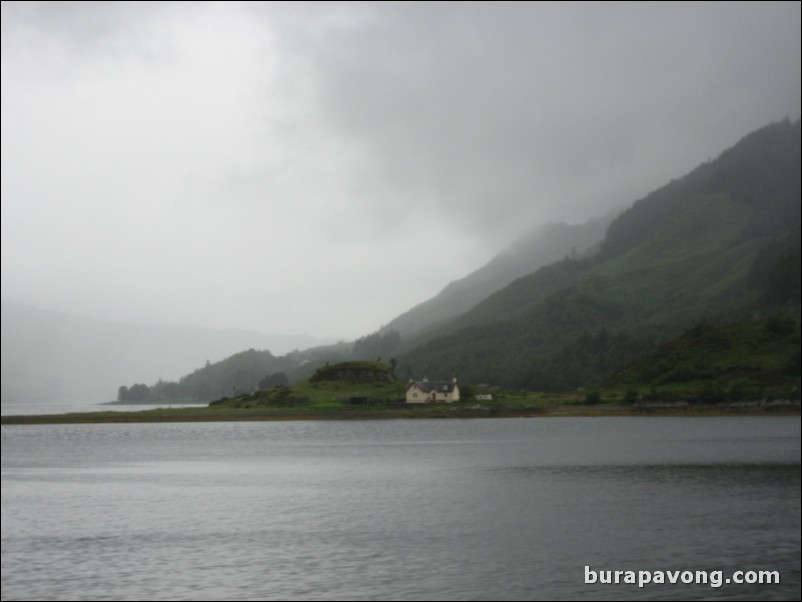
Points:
(479, 509)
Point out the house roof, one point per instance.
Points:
(427, 386)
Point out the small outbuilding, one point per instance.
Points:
(432, 391)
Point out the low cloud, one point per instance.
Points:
(294, 167)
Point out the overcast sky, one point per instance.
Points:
(321, 168)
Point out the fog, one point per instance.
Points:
(320, 168)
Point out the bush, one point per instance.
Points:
(592, 398)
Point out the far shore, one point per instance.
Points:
(150, 403)
(207, 414)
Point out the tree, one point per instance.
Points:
(279, 379)
(138, 393)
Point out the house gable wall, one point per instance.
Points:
(435, 392)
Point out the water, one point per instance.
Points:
(38, 408)
(448, 509)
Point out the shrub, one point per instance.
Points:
(592, 398)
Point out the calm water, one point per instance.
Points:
(450, 509)
(38, 408)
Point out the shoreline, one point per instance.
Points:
(206, 414)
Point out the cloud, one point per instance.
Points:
(495, 113)
(297, 167)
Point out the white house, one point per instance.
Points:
(434, 391)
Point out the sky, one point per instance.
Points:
(320, 168)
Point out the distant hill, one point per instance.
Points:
(243, 372)
(55, 357)
(720, 243)
(537, 248)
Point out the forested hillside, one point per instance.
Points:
(539, 247)
(720, 243)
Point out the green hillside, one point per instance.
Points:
(698, 247)
(746, 360)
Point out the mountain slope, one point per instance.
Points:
(683, 252)
(540, 247)
(745, 360)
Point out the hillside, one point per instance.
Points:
(354, 372)
(247, 371)
(708, 245)
(540, 247)
(698, 247)
(742, 361)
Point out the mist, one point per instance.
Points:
(321, 168)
